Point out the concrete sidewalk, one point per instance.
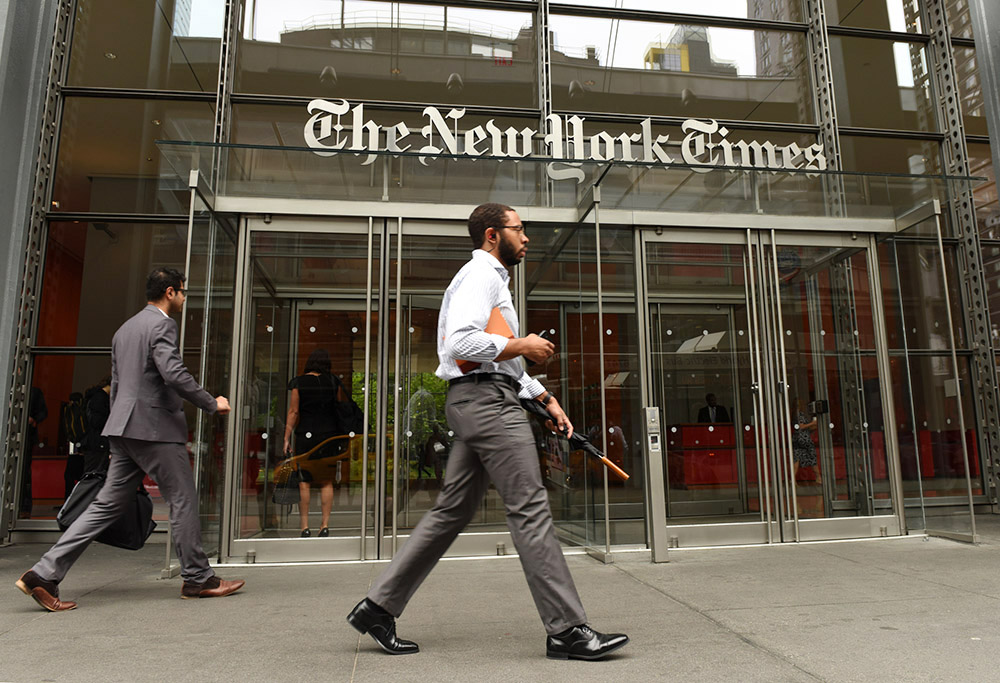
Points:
(910, 609)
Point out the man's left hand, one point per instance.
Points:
(559, 422)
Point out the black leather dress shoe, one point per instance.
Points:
(583, 642)
(367, 617)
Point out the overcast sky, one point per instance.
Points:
(626, 46)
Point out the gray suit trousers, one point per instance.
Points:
(131, 459)
(494, 441)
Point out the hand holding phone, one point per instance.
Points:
(544, 334)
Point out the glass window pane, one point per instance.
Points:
(95, 277)
(970, 90)
(890, 155)
(164, 45)
(914, 296)
(985, 193)
(773, 10)
(888, 15)
(63, 445)
(360, 50)
(881, 84)
(991, 276)
(959, 19)
(679, 70)
(108, 160)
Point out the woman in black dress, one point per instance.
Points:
(312, 416)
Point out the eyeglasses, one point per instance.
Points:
(181, 291)
(515, 228)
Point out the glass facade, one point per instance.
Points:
(649, 307)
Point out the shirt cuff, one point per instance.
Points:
(530, 387)
(500, 342)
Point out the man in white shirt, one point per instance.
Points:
(493, 441)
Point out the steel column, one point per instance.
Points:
(970, 263)
(31, 280)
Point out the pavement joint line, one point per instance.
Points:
(708, 617)
(916, 577)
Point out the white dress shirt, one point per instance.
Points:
(481, 285)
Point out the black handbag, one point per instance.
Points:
(129, 531)
(286, 486)
(350, 418)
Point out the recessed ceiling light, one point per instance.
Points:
(111, 55)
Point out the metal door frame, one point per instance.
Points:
(285, 549)
(767, 360)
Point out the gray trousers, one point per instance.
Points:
(494, 441)
(131, 459)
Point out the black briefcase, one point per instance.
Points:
(129, 531)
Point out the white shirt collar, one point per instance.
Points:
(490, 259)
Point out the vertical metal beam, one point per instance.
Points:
(656, 501)
(543, 40)
(826, 110)
(851, 394)
(31, 276)
(231, 27)
(970, 263)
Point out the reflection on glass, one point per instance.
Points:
(984, 192)
(308, 294)
(970, 90)
(679, 70)
(959, 19)
(882, 84)
(773, 10)
(359, 50)
(94, 277)
(913, 291)
(881, 155)
(108, 160)
(903, 16)
(163, 45)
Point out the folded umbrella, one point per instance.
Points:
(576, 441)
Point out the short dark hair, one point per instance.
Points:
(484, 216)
(160, 280)
(319, 361)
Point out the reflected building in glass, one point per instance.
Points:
(764, 240)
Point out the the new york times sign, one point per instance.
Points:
(335, 126)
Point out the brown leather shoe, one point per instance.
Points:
(45, 593)
(212, 588)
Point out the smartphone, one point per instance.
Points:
(544, 334)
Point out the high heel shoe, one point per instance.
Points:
(324, 532)
(305, 533)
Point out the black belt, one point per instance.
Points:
(477, 377)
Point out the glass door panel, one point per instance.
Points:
(307, 300)
(420, 270)
(826, 393)
(702, 362)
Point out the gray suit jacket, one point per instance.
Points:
(148, 381)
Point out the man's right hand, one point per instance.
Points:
(222, 405)
(535, 348)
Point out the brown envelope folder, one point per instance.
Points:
(495, 325)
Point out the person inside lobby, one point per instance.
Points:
(713, 413)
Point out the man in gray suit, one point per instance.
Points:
(147, 431)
